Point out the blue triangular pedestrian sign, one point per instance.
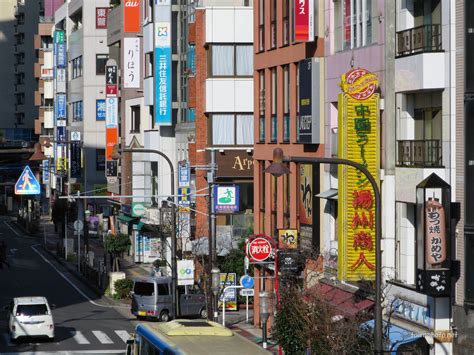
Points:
(27, 183)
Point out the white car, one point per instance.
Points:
(30, 317)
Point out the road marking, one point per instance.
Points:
(123, 334)
(80, 338)
(14, 231)
(6, 337)
(69, 281)
(102, 337)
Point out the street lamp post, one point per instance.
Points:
(174, 264)
(277, 168)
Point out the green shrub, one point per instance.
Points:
(123, 288)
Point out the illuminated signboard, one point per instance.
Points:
(359, 142)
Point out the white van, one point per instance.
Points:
(30, 317)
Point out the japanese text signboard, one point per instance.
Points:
(304, 20)
(359, 142)
(131, 55)
(101, 17)
(259, 248)
(435, 220)
(131, 16)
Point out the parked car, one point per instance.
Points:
(30, 317)
(152, 298)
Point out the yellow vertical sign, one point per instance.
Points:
(359, 142)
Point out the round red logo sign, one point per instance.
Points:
(259, 249)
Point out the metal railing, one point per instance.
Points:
(426, 38)
(419, 153)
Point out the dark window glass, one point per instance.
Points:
(163, 290)
(143, 288)
(100, 61)
(469, 271)
(31, 310)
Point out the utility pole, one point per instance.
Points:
(212, 231)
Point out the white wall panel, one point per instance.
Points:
(48, 119)
(148, 38)
(48, 89)
(244, 25)
(244, 95)
(148, 91)
(416, 72)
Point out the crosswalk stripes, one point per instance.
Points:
(102, 337)
(89, 337)
(123, 334)
(80, 338)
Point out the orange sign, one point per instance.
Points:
(131, 16)
(111, 139)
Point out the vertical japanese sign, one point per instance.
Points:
(228, 279)
(184, 174)
(435, 228)
(46, 173)
(111, 80)
(162, 65)
(111, 137)
(359, 142)
(131, 16)
(306, 205)
(131, 55)
(304, 20)
(101, 17)
(309, 101)
(60, 108)
(76, 156)
(100, 110)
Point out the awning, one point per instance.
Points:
(348, 303)
(403, 341)
(126, 219)
(330, 194)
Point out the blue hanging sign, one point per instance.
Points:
(27, 183)
(226, 198)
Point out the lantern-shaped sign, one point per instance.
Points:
(433, 237)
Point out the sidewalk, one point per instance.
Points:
(52, 241)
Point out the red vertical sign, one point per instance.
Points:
(101, 17)
(304, 20)
(131, 16)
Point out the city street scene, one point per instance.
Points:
(236, 177)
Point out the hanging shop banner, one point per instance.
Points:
(61, 61)
(304, 20)
(309, 79)
(131, 55)
(59, 36)
(184, 174)
(101, 17)
(61, 107)
(287, 239)
(111, 135)
(100, 110)
(226, 198)
(162, 74)
(308, 207)
(359, 142)
(131, 16)
(60, 80)
(228, 279)
(75, 159)
(184, 199)
(111, 80)
(46, 173)
(185, 272)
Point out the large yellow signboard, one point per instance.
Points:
(359, 142)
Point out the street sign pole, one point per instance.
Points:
(223, 300)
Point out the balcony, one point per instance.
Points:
(424, 153)
(419, 39)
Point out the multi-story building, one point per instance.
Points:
(79, 83)
(25, 26)
(286, 202)
(220, 95)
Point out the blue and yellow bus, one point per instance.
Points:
(183, 336)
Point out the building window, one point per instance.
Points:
(46, 42)
(135, 116)
(100, 61)
(273, 24)
(353, 23)
(100, 159)
(286, 103)
(274, 125)
(232, 129)
(261, 25)
(261, 81)
(77, 111)
(286, 22)
(232, 60)
(148, 64)
(77, 67)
